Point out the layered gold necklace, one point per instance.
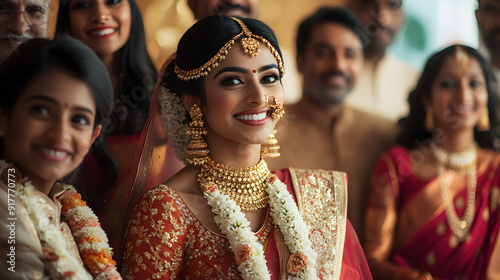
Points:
(462, 163)
(245, 186)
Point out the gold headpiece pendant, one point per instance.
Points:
(250, 44)
(462, 58)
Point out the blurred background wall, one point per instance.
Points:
(166, 21)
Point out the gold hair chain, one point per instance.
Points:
(250, 44)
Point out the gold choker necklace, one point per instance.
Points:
(464, 162)
(245, 186)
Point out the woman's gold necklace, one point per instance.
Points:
(463, 163)
(245, 186)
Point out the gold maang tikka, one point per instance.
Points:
(250, 44)
(462, 58)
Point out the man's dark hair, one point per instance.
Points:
(340, 15)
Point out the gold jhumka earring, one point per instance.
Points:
(429, 119)
(197, 147)
(270, 148)
(484, 121)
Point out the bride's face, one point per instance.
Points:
(235, 107)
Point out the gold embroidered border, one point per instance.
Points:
(325, 191)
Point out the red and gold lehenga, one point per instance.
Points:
(166, 241)
(407, 232)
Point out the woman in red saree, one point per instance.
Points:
(225, 215)
(433, 210)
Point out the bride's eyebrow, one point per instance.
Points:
(232, 69)
(243, 70)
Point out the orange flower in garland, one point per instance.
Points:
(91, 240)
(75, 201)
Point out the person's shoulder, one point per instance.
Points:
(375, 124)
(403, 67)
(157, 196)
(490, 157)
(397, 151)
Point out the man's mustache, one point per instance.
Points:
(335, 73)
(12, 35)
(374, 28)
(226, 7)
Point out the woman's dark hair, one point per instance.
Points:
(138, 72)
(203, 41)
(138, 77)
(64, 53)
(414, 132)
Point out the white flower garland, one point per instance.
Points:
(65, 264)
(174, 119)
(50, 235)
(236, 228)
(286, 215)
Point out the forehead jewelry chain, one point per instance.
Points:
(250, 44)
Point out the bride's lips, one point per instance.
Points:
(254, 117)
(102, 32)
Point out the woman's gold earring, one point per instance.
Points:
(429, 119)
(270, 148)
(484, 121)
(197, 147)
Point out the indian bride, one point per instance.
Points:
(55, 95)
(225, 215)
(433, 210)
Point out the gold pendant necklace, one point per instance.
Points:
(245, 186)
(464, 162)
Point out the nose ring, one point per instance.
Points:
(276, 105)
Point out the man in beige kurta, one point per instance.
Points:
(385, 82)
(320, 131)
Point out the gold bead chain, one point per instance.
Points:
(464, 162)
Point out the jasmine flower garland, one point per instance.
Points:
(249, 254)
(89, 236)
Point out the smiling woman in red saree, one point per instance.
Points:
(434, 211)
(226, 215)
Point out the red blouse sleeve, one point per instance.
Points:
(381, 216)
(155, 236)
